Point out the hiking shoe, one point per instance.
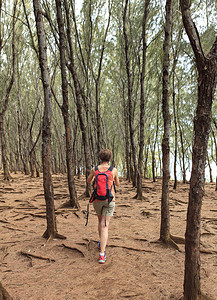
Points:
(99, 248)
(102, 259)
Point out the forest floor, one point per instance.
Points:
(137, 267)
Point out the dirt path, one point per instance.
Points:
(137, 267)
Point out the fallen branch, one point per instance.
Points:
(27, 254)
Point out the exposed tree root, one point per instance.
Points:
(11, 228)
(177, 239)
(36, 256)
(8, 177)
(5, 253)
(4, 294)
(205, 297)
(202, 297)
(130, 248)
(53, 236)
(173, 244)
(73, 248)
(170, 242)
(208, 251)
(139, 197)
(83, 196)
(122, 246)
(67, 205)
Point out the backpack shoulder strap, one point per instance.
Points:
(110, 168)
(96, 168)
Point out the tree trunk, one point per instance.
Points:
(12, 163)
(129, 89)
(4, 294)
(215, 143)
(155, 142)
(7, 175)
(165, 214)
(6, 99)
(207, 78)
(142, 103)
(176, 132)
(210, 169)
(46, 127)
(65, 109)
(79, 100)
(183, 154)
(22, 149)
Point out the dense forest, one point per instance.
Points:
(137, 77)
(102, 34)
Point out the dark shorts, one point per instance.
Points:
(103, 209)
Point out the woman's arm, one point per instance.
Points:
(90, 178)
(116, 179)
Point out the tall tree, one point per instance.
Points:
(79, 98)
(129, 93)
(165, 214)
(207, 79)
(5, 99)
(65, 108)
(142, 102)
(51, 230)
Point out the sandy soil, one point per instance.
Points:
(136, 268)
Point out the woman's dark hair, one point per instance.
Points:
(105, 155)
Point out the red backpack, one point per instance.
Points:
(102, 187)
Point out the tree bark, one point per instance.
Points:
(165, 214)
(155, 142)
(79, 100)
(207, 79)
(215, 143)
(97, 88)
(176, 132)
(51, 230)
(4, 294)
(129, 89)
(142, 102)
(65, 109)
(5, 101)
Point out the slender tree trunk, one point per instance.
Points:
(215, 142)
(79, 100)
(142, 103)
(183, 154)
(65, 109)
(7, 175)
(207, 79)
(51, 230)
(4, 295)
(165, 214)
(12, 163)
(6, 99)
(130, 90)
(146, 161)
(22, 149)
(210, 169)
(126, 133)
(97, 87)
(155, 142)
(176, 132)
